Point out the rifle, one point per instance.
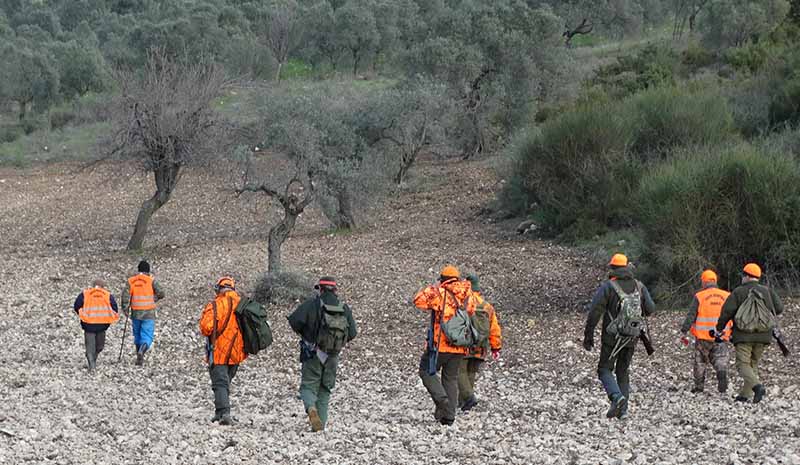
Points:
(433, 347)
(778, 336)
(646, 342)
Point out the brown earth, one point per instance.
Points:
(540, 404)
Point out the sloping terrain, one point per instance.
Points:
(540, 404)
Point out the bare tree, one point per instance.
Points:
(284, 173)
(584, 27)
(408, 121)
(294, 197)
(163, 120)
(282, 19)
(686, 11)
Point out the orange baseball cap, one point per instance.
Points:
(708, 276)
(751, 269)
(618, 260)
(450, 271)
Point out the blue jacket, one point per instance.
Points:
(88, 327)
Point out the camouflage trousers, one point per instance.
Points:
(715, 354)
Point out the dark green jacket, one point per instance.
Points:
(736, 299)
(305, 320)
(605, 304)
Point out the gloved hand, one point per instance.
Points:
(685, 341)
(495, 354)
(717, 336)
(588, 344)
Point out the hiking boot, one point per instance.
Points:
(315, 420)
(469, 403)
(722, 382)
(759, 391)
(741, 399)
(217, 417)
(623, 415)
(139, 359)
(226, 420)
(697, 389)
(446, 422)
(618, 404)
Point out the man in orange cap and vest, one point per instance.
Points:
(750, 343)
(622, 302)
(225, 346)
(702, 317)
(97, 310)
(140, 296)
(443, 300)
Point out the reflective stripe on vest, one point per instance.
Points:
(708, 312)
(97, 307)
(141, 291)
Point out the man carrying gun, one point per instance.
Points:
(622, 302)
(442, 300)
(753, 308)
(224, 345)
(702, 317)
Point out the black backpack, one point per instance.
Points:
(333, 328)
(253, 324)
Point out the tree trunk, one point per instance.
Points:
(166, 179)
(278, 73)
(149, 207)
(277, 236)
(356, 59)
(344, 209)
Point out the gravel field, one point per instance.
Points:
(541, 403)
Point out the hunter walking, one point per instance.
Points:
(702, 317)
(622, 302)
(224, 345)
(97, 310)
(443, 300)
(139, 299)
(489, 341)
(325, 325)
(753, 307)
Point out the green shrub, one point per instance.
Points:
(696, 56)
(655, 65)
(10, 133)
(286, 286)
(570, 170)
(666, 118)
(581, 168)
(748, 58)
(720, 208)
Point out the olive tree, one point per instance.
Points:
(493, 56)
(282, 24)
(28, 76)
(357, 30)
(162, 119)
(283, 172)
(405, 121)
(727, 23)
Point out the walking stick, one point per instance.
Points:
(122, 345)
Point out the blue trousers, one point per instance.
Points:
(143, 331)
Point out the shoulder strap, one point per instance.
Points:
(620, 293)
(228, 318)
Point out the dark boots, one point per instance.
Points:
(141, 349)
(759, 391)
(618, 405)
(722, 382)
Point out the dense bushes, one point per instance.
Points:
(721, 207)
(581, 168)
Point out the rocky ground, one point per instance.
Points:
(541, 402)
